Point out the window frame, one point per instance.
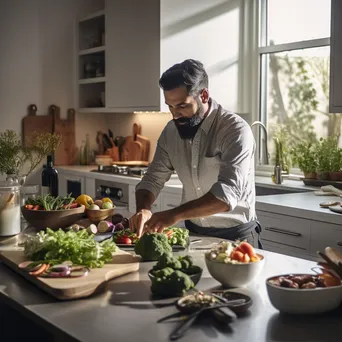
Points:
(259, 75)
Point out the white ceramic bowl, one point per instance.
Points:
(234, 275)
(304, 301)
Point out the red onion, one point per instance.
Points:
(105, 226)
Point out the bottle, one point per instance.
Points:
(50, 177)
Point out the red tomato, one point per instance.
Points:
(127, 241)
(247, 248)
(237, 255)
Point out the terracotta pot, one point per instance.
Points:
(310, 175)
(335, 175)
(323, 175)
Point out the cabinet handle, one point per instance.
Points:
(172, 205)
(281, 231)
(339, 243)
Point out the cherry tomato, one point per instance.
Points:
(237, 255)
(247, 248)
(127, 241)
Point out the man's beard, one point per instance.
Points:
(188, 127)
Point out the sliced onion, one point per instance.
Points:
(79, 271)
(68, 262)
(53, 274)
(25, 264)
(60, 268)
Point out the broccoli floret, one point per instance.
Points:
(186, 261)
(151, 246)
(168, 260)
(177, 283)
(192, 270)
(163, 272)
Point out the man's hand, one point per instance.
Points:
(159, 221)
(138, 220)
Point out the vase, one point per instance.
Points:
(310, 175)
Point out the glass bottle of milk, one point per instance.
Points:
(9, 209)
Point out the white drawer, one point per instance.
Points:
(170, 201)
(277, 248)
(325, 235)
(290, 232)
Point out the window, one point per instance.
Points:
(294, 57)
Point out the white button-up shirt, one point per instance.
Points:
(220, 160)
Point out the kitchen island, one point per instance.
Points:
(127, 312)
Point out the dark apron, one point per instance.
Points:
(240, 232)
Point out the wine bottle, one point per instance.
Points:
(50, 177)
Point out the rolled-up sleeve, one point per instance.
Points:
(159, 171)
(237, 154)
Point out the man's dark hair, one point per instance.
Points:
(189, 73)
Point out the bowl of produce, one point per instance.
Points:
(304, 293)
(234, 264)
(174, 276)
(52, 212)
(100, 210)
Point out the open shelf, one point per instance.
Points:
(92, 50)
(92, 80)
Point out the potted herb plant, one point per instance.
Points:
(335, 173)
(18, 161)
(304, 155)
(325, 153)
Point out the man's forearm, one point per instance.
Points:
(204, 206)
(144, 199)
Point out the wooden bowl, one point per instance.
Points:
(54, 219)
(98, 215)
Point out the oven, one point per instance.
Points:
(117, 192)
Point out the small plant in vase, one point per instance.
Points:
(18, 161)
(335, 174)
(304, 155)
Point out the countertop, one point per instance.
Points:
(126, 311)
(304, 205)
(174, 183)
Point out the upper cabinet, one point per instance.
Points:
(335, 104)
(119, 58)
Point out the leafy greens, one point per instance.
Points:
(78, 247)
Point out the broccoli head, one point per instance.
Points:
(192, 270)
(163, 272)
(151, 246)
(177, 283)
(186, 261)
(168, 260)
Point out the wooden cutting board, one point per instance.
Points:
(145, 142)
(67, 289)
(66, 152)
(33, 123)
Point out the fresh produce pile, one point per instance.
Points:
(79, 248)
(233, 252)
(89, 203)
(171, 275)
(49, 202)
(175, 236)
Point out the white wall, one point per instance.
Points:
(207, 31)
(37, 56)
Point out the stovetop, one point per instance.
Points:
(122, 170)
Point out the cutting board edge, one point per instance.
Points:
(60, 293)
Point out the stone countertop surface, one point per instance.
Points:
(304, 205)
(127, 312)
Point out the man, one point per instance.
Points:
(212, 151)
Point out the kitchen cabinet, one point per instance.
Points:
(289, 234)
(128, 56)
(335, 99)
(132, 204)
(132, 55)
(169, 200)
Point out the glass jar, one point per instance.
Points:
(10, 222)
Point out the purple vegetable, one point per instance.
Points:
(119, 226)
(105, 226)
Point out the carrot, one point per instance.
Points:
(29, 206)
(40, 270)
(237, 255)
(36, 207)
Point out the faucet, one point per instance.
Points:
(265, 153)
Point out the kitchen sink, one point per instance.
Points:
(268, 190)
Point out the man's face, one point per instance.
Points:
(187, 111)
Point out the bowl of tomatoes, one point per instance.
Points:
(234, 264)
